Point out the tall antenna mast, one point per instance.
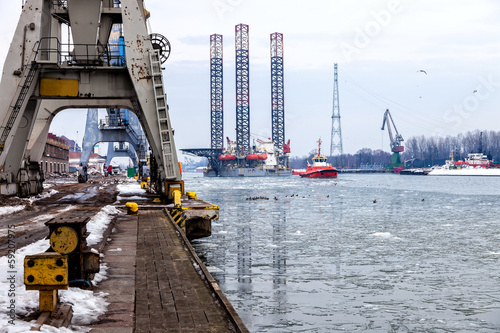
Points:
(336, 144)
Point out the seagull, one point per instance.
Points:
(422, 71)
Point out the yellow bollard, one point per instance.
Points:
(46, 272)
(177, 198)
(48, 300)
(132, 208)
(144, 185)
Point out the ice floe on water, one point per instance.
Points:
(382, 234)
(213, 269)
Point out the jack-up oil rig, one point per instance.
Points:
(240, 158)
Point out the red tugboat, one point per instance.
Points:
(320, 168)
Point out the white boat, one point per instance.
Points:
(476, 164)
(466, 171)
(477, 159)
(200, 169)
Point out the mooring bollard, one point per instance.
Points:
(46, 272)
(132, 208)
(68, 262)
(68, 235)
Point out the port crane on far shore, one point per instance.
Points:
(395, 141)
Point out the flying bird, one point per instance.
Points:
(474, 91)
(422, 71)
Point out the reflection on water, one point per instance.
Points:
(244, 242)
(279, 258)
(337, 235)
(371, 253)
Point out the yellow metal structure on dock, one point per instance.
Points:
(193, 216)
(48, 273)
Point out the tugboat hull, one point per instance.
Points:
(320, 174)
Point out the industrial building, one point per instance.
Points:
(55, 158)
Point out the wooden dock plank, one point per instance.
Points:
(158, 273)
(171, 282)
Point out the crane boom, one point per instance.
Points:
(395, 141)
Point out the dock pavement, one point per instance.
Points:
(157, 283)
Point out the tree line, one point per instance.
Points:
(419, 151)
(435, 150)
(364, 158)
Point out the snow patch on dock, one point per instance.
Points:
(10, 209)
(98, 224)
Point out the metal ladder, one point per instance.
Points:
(139, 141)
(163, 116)
(17, 107)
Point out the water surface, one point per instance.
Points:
(364, 252)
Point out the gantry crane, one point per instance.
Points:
(42, 76)
(395, 141)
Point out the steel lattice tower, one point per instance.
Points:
(216, 89)
(336, 144)
(277, 91)
(242, 89)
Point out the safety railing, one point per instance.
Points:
(49, 49)
(63, 4)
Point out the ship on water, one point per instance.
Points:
(319, 168)
(476, 164)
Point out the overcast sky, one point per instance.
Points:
(434, 64)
